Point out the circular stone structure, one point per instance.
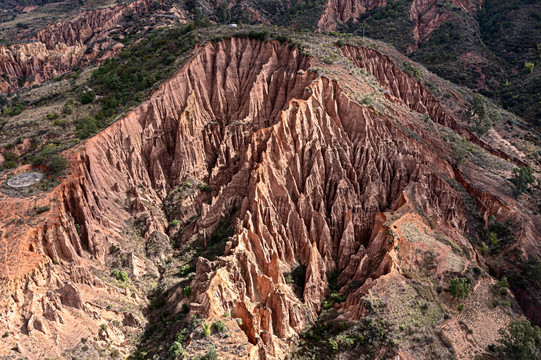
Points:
(25, 179)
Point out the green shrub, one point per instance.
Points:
(187, 291)
(57, 164)
(332, 345)
(211, 354)
(176, 349)
(41, 209)
(528, 67)
(53, 116)
(239, 321)
(479, 119)
(367, 100)
(87, 97)
(185, 269)
(484, 249)
(520, 340)
(501, 286)
(220, 326)
(412, 70)
(522, 178)
(174, 223)
(460, 307)
(10, 164)
(13, 110)
(68, 107)
(459, 288)
(9, 156)
(206, 329)
(86, 126)
(340, 43)
(120, 275)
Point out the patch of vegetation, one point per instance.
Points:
(87, 97)
(186, 269)
(41, 209)
(328, 337)
(506, 27)
(459, 288)
(261, 35)
(206, 329)
(120, 275)
(332, 299)
(520, 341)
(49, 157)
(412, 70)
(478, 116)
(13, 110)
(522, 178)
(501, 286)
(302, 15)
(220, 326)
(125, 81)
(390, 23)
(211, 354)
(57, 164)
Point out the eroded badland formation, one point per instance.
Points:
(283, 196)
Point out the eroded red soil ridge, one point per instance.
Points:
(313, 177)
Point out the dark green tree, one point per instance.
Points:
(223, 13)
(86, 126)
(57, 164)
(87, 97)
(522, 178)
(459, 288)
(520, 341)
(479, 119)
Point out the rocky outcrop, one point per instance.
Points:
(340, 11)
(312, 177)
(35, 63)
(428, 16)
(63, 46)
(91, 24)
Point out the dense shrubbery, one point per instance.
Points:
(381, 22)
(49, 157)
(13, 110)
(57, 164)
(522, 178)
(120, 275)
(86, 126)
(521, 341)
(87, 97)
(459, 288)
(125, 81)
(479, 118)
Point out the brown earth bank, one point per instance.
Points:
(310, 174)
